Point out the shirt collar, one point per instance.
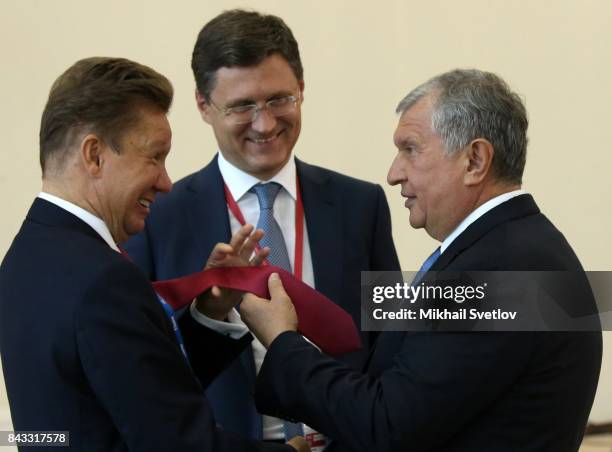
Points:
(476, 214)
(96, 223)
(240, 182)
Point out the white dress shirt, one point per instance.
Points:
(239, 183)
(476, 214)
(97, 224)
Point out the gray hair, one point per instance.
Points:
(470, 104)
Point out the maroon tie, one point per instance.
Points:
(320, 320)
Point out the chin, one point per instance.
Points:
(134, 229)
(269, 158)
(417, 226)
(269, 168)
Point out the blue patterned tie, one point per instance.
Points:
(266, 194)
(433, 257)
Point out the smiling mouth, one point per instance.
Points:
(144, 203)
(265, 140)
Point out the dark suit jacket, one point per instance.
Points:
(445, 391)
(86, 347)
(349, 229)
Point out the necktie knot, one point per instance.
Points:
(266, 194)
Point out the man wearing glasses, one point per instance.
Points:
(320, 225)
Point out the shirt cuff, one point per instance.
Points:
(228, 329)
(311, 343)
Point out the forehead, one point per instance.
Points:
(415, 123)
(151, 130)
(271, 76)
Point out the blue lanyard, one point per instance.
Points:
(177, 332)
(167, 308)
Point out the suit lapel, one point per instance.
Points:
(517, 207)
(207, 211)
(209, 223)
(324, 225)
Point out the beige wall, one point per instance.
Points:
(360, 58)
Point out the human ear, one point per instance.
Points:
(479, 156)
(203, 107)
(91, 153)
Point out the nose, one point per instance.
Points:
(395, 174)
(264, 123)
(164, 184)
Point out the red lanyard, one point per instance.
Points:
(299, 224)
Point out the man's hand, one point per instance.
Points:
(269, 318)
(299, 444)
(217, 302)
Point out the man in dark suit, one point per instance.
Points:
(461, 142)
(250, 89)
(87, 347)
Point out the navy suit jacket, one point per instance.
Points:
(349, 229)
(452, 391)
(86, 347)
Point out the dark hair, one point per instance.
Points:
(241, 38)
(470, 104)
(100, 95)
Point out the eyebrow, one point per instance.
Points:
(249, 101)
(158, 146)
(239, 103)
(408, 141)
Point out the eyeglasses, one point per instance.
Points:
(244, 114)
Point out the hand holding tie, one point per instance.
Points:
(217, 302)
(269, 318)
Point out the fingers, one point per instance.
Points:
(250, 244)
(245, 241)
(248, 298)
(269, 318)
(275, 285)
(216, 291)
(238, 239)
(251, 306)
(217, 302)
(239, 251)
(260, 257)
(218, 254)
